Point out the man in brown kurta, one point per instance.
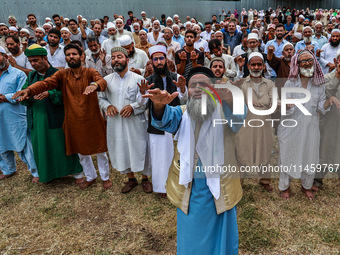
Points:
(84, 125)
(254, 144)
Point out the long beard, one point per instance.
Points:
(161, 71)
(307, 39)
(249, 51)
(307, 72)
(334, 44)
(194, 109)
(156, 30)
(132, 53)
(113, 37)
(3, 64)
(74, 65)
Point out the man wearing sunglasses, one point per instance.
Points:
(161, 143)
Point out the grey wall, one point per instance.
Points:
(202, 10)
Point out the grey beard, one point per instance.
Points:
(194, 109)
(307, 39)
(113, 37)
(95, 53)
(3, 65)
(307, 72)
(255, 74)
(249, 51)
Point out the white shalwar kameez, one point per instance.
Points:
(138, 61)
(299, 145)
(127, 138)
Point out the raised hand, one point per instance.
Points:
(183, 56)
(111, 111)
(318, 52)
(181, 83)
(241, 61)
(193, 56)
(144, 86)
(271, 48)
(102, 55)
(160, 97)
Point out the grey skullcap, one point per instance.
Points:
(120, 49)
(217, 59)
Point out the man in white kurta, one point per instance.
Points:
(328, 52)
(299, 145)
(127, 138)
(137, 58)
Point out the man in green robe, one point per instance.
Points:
(45, 116)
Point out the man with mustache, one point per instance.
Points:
(217, 66)
(206, 201)
(14, 134)
(84, 126)
(319, 37)
(126, 123)
(55, 52)
(254, 144)
(299, 145)
(307, 41)
(328, 51)
(112, 41)
(98, 60)
(156, 34)
(161, 143)
(137, 58)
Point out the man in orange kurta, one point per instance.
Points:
(84, 125)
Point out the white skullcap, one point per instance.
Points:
(286, 44)
(188, 23)
(13, 29)
(218, 32)
(253, 36)
(46, 24)
(335, 30)
(298, 35)
(157, 49)
(40, 29)
(303, 30)
(47, 18)
(143, 12)
(110, 25)
(3, 24)
(156, 21)
(176, 16)
(65, 29)
(84, 19)
(125, 40)
(169, 18)
(24, 30)
(254, 29)
(12, 17)
(196, 25)
(337, 53)
(142, 30)
(2, 50)
(135, 24)
(255, 54)
(169, 29)
(120, 20)
(175, 25)
(301, 16)
(318, 23)
(66, 19)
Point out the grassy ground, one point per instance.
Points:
(58, 218)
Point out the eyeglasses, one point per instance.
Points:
(160, 59)
(307, 60)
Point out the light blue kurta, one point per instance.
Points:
(14, 135)
(202, 231)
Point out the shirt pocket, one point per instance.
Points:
(130, 94)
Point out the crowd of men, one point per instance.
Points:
(69, 90)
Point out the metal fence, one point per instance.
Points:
(90, 9)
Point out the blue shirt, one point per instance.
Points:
(180, 40)
(277, 52)
(172, 117)
(232, 41)
(321, 41)
(289, 27)
(301, 45)
(13, 124)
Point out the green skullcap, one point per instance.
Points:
(35, 50)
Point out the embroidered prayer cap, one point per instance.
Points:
(35, 50)
(253, 36)
(125, 40)
(120, 49)
(217, 59)
(157, 49)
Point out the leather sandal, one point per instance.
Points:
(129, 186)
